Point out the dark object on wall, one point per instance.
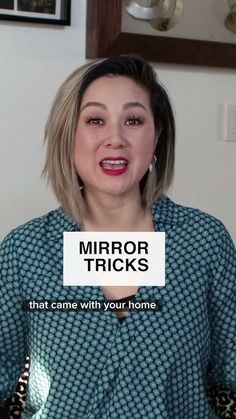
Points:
(7, 4)
(105, 38)
(56, 12)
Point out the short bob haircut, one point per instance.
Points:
(62, 122)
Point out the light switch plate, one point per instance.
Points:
(230, 122)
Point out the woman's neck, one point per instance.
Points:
(116, 213)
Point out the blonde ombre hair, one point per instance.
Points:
(62, 123)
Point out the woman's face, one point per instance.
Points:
(115, 136)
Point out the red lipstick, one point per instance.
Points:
(114, 166)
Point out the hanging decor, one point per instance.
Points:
(230, 20)
(56, 12)
(162, 14)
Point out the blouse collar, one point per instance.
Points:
(58, 221)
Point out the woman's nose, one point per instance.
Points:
(115, 138)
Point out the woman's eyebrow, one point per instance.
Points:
(101, 105)
(134, 104)
(125, 106)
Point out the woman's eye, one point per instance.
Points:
(95, 121)
(133, 121)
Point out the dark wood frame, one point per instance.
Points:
(105, 38)
(64, 20)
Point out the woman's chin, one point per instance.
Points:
(116, 191)
(113, 189)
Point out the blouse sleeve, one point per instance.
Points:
(222, 312)
(12, 321)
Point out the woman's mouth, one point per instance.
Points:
(114, 166)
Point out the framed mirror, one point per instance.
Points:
(112, 30)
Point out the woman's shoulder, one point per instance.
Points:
(189, 221)
(49, 225)
(175, 213)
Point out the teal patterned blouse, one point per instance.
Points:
(88, 365)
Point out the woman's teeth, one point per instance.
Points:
(114, 164)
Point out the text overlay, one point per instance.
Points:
(114, 259)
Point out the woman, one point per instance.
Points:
(110, 157)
